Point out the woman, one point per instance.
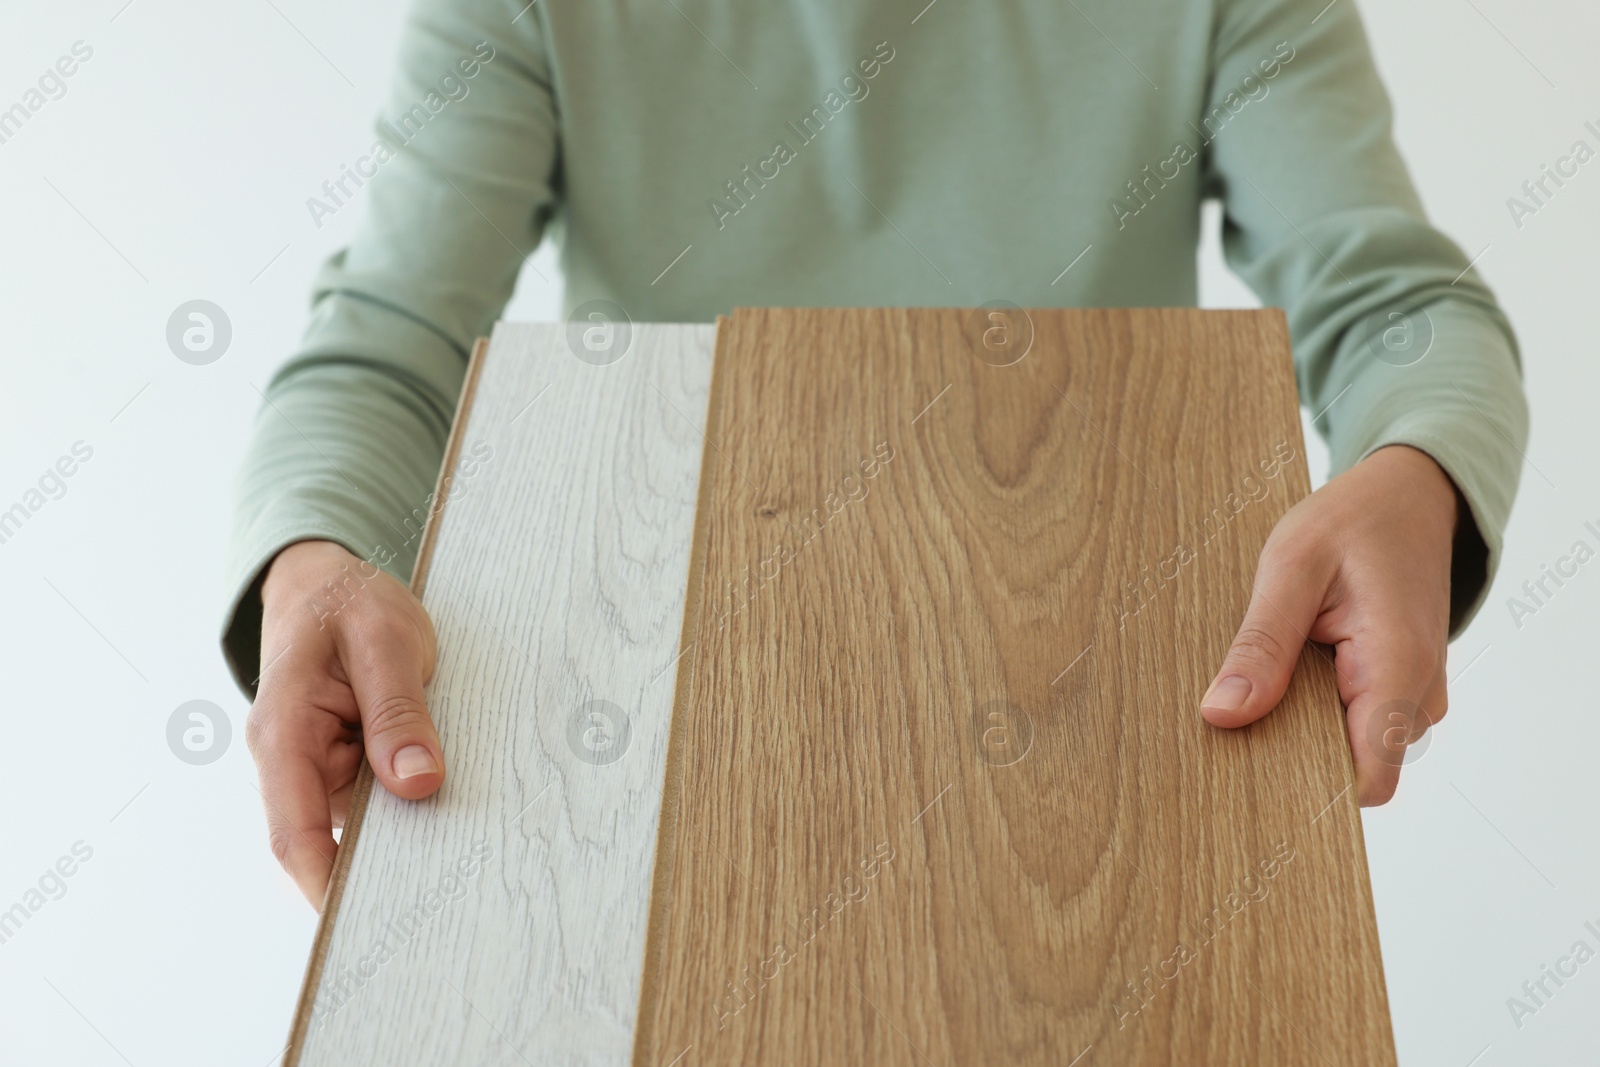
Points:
(691, 156)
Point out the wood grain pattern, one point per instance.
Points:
(503, 920)
(361, 791)
(938, 792)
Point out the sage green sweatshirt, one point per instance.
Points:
(691, 156)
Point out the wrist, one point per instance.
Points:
(302, 566)
(1425, 485)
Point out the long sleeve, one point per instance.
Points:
(1396, 339)
(632, 117)
(455, 192)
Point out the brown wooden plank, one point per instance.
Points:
(938, 791)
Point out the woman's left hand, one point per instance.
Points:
(1362, 564)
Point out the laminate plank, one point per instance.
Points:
(503, 920)
(937, 790)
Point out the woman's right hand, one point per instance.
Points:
(346, 650)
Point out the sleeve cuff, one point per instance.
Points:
(1462, 404)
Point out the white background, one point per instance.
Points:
(180, 159)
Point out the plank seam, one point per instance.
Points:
(672, 770)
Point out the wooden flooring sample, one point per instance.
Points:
(938, 792)
(503, 920)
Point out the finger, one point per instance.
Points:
(344, 766)
(1289, 593)
(387, 672)
(1437, 701)
(339, 803)
(1394, 689)
(299, 822)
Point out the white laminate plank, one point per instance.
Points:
(558, 578)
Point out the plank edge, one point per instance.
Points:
(300, 1025)
(671, 771)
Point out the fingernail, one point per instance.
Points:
(414, 760)
(1227, 694)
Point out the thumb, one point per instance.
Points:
(387, 671)
(1287, 599)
